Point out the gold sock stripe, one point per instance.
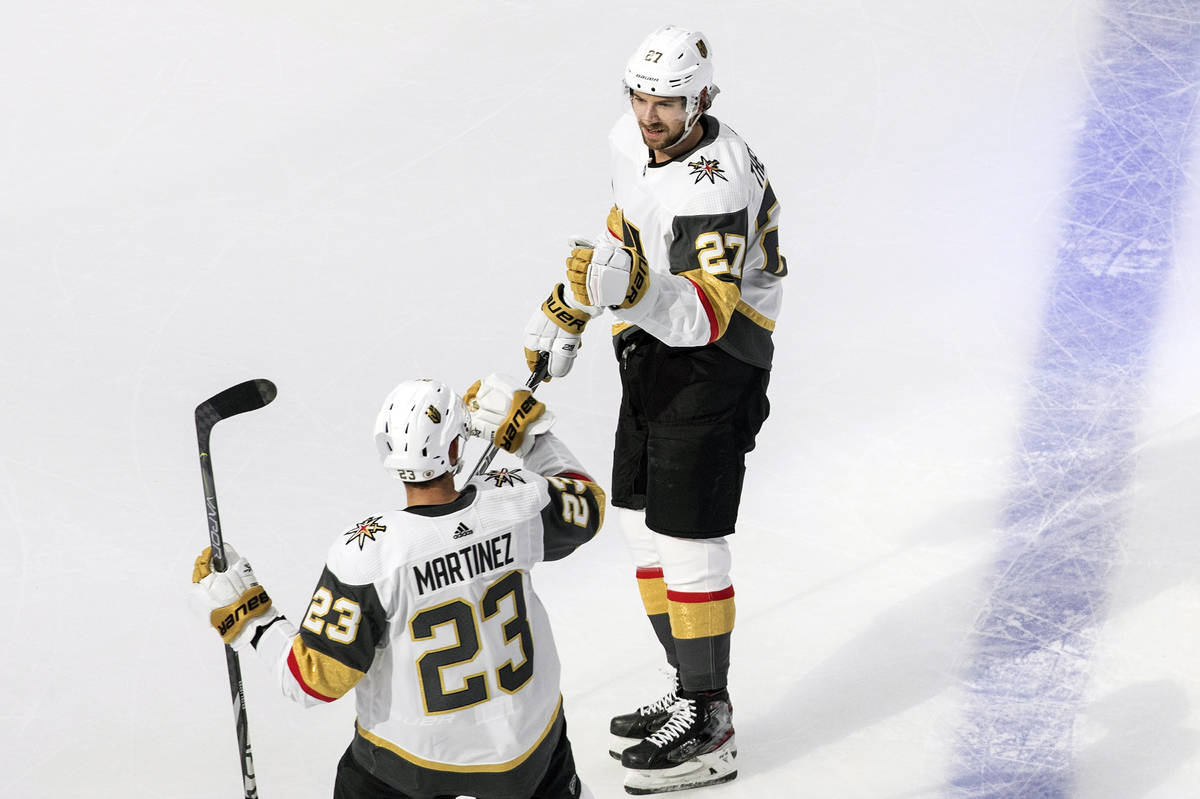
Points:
(653, 589)
(701, 619)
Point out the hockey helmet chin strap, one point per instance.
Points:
(702, 107)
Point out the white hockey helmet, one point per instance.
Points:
(418, 423)
(673, 62)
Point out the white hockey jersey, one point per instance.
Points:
(430, 614)
(707, 223)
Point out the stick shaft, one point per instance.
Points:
(248, 396)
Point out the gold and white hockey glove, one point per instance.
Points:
(556, 329)
(232, 599)
(504, 412)
(606, 274)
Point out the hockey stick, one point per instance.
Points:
(539, 373)
(248, 396)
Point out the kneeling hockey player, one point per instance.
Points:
(429, 612)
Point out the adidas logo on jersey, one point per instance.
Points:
(462, 531)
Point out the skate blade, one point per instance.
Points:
(713, 768)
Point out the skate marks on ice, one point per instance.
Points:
(1034, 640)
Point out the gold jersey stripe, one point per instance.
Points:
(754, 316)
(723, 296)
(654, 594)
(416, 760)
(601, 500)
(701, 619)
(616, 223)
(322, 673)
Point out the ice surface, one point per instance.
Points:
(1067, 509)
(337, 196)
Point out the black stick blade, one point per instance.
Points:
(248, 396)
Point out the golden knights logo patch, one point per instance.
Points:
(704, 168)
(364, 530)
(434, 414)
(504, 477)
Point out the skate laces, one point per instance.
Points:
(682, 719)
(658, 706)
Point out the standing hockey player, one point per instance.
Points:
(689, 266)
(429, 612)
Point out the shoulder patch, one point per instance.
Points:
(366, 529)
(504, 477)
(707, 168)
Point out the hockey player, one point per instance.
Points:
(689, 265)
(429, 612)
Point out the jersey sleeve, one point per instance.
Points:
(550, 456)
(709, 250)
(334, 646)
(574, 512)
(692, 301)
(572, 516)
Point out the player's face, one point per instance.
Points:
(661, 119)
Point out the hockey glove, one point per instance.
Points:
(232, 599)
(556, 329)
(606, 274)
(506, 413)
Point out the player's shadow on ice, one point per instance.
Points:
(916, 649)
(909, 653)
(1147, 738)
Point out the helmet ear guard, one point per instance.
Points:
(416, 428)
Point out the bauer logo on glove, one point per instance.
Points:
(243, 612)
(555, 328)
(232, 598)
(509, 416)
(563, 315)
(514, 426)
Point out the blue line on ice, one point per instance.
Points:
(1032, 644)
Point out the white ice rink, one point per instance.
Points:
(337, 196)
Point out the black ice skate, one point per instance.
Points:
(630, 728)
(694, 747)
